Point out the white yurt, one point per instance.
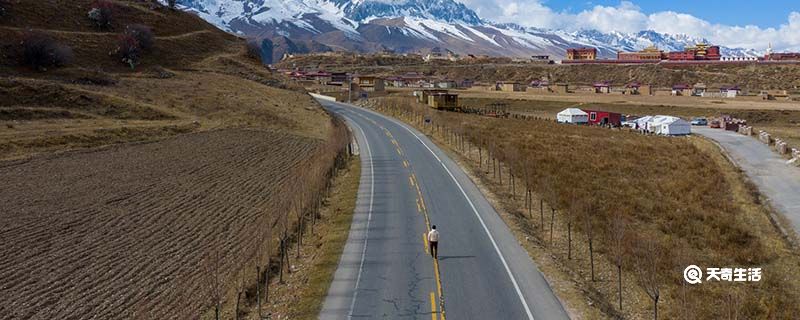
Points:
(572, 115)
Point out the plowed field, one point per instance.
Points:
(120, 233)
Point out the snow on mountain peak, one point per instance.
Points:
(423, 22)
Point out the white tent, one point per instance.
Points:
(572, 115)
(675, 127)
(641, 123)
(669, 126)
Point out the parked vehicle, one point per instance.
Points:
(715, 124)
(699, 122)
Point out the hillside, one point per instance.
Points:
(749, 77)
(195, 77)
(145, 189)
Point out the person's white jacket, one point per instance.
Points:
(433, 236)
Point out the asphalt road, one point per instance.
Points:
(408, 183)
(778, 181)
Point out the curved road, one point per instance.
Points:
(779, 181)
(407, 184)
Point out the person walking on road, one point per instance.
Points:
(433, 239)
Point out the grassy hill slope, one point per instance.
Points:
(194, 77)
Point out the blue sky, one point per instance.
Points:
(769, 13)
(736, 24)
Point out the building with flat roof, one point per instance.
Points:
(443, 101)
(602, 87)
(647, 54)
(582, 54)
(369, 83)
(509, 86)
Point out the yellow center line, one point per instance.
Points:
(433, 306)
(438, 281)
(421, 208)
(399, 152)
(405, 164)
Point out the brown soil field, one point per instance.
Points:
(679, 200)
(121, 232)
(749, 77)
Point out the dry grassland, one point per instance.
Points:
(676, 199)
(783, 123)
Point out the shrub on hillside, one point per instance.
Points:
(41, 51)
(132, 43)
(172, 3)
(102, 14)
(253, 49)
(143, 34)
(128, 50)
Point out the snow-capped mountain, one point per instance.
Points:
(413, 26)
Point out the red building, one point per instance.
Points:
(700, 51)
(604, 118)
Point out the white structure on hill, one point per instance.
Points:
(572, 115)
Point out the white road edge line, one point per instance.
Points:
(369, 219)
(474, 210)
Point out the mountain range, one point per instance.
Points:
(412, 26)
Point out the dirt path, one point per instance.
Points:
(121, 232)
(777, 180)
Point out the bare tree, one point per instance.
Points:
(648, 260)
(213, 268)
(239, 292)
(617, 236)
(588, 220)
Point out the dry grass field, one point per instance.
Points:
(162, 190)
(654, 204)
(784, 123)
(195, 78)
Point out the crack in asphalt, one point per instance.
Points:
(417, 305)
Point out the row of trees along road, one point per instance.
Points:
(287, 218)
